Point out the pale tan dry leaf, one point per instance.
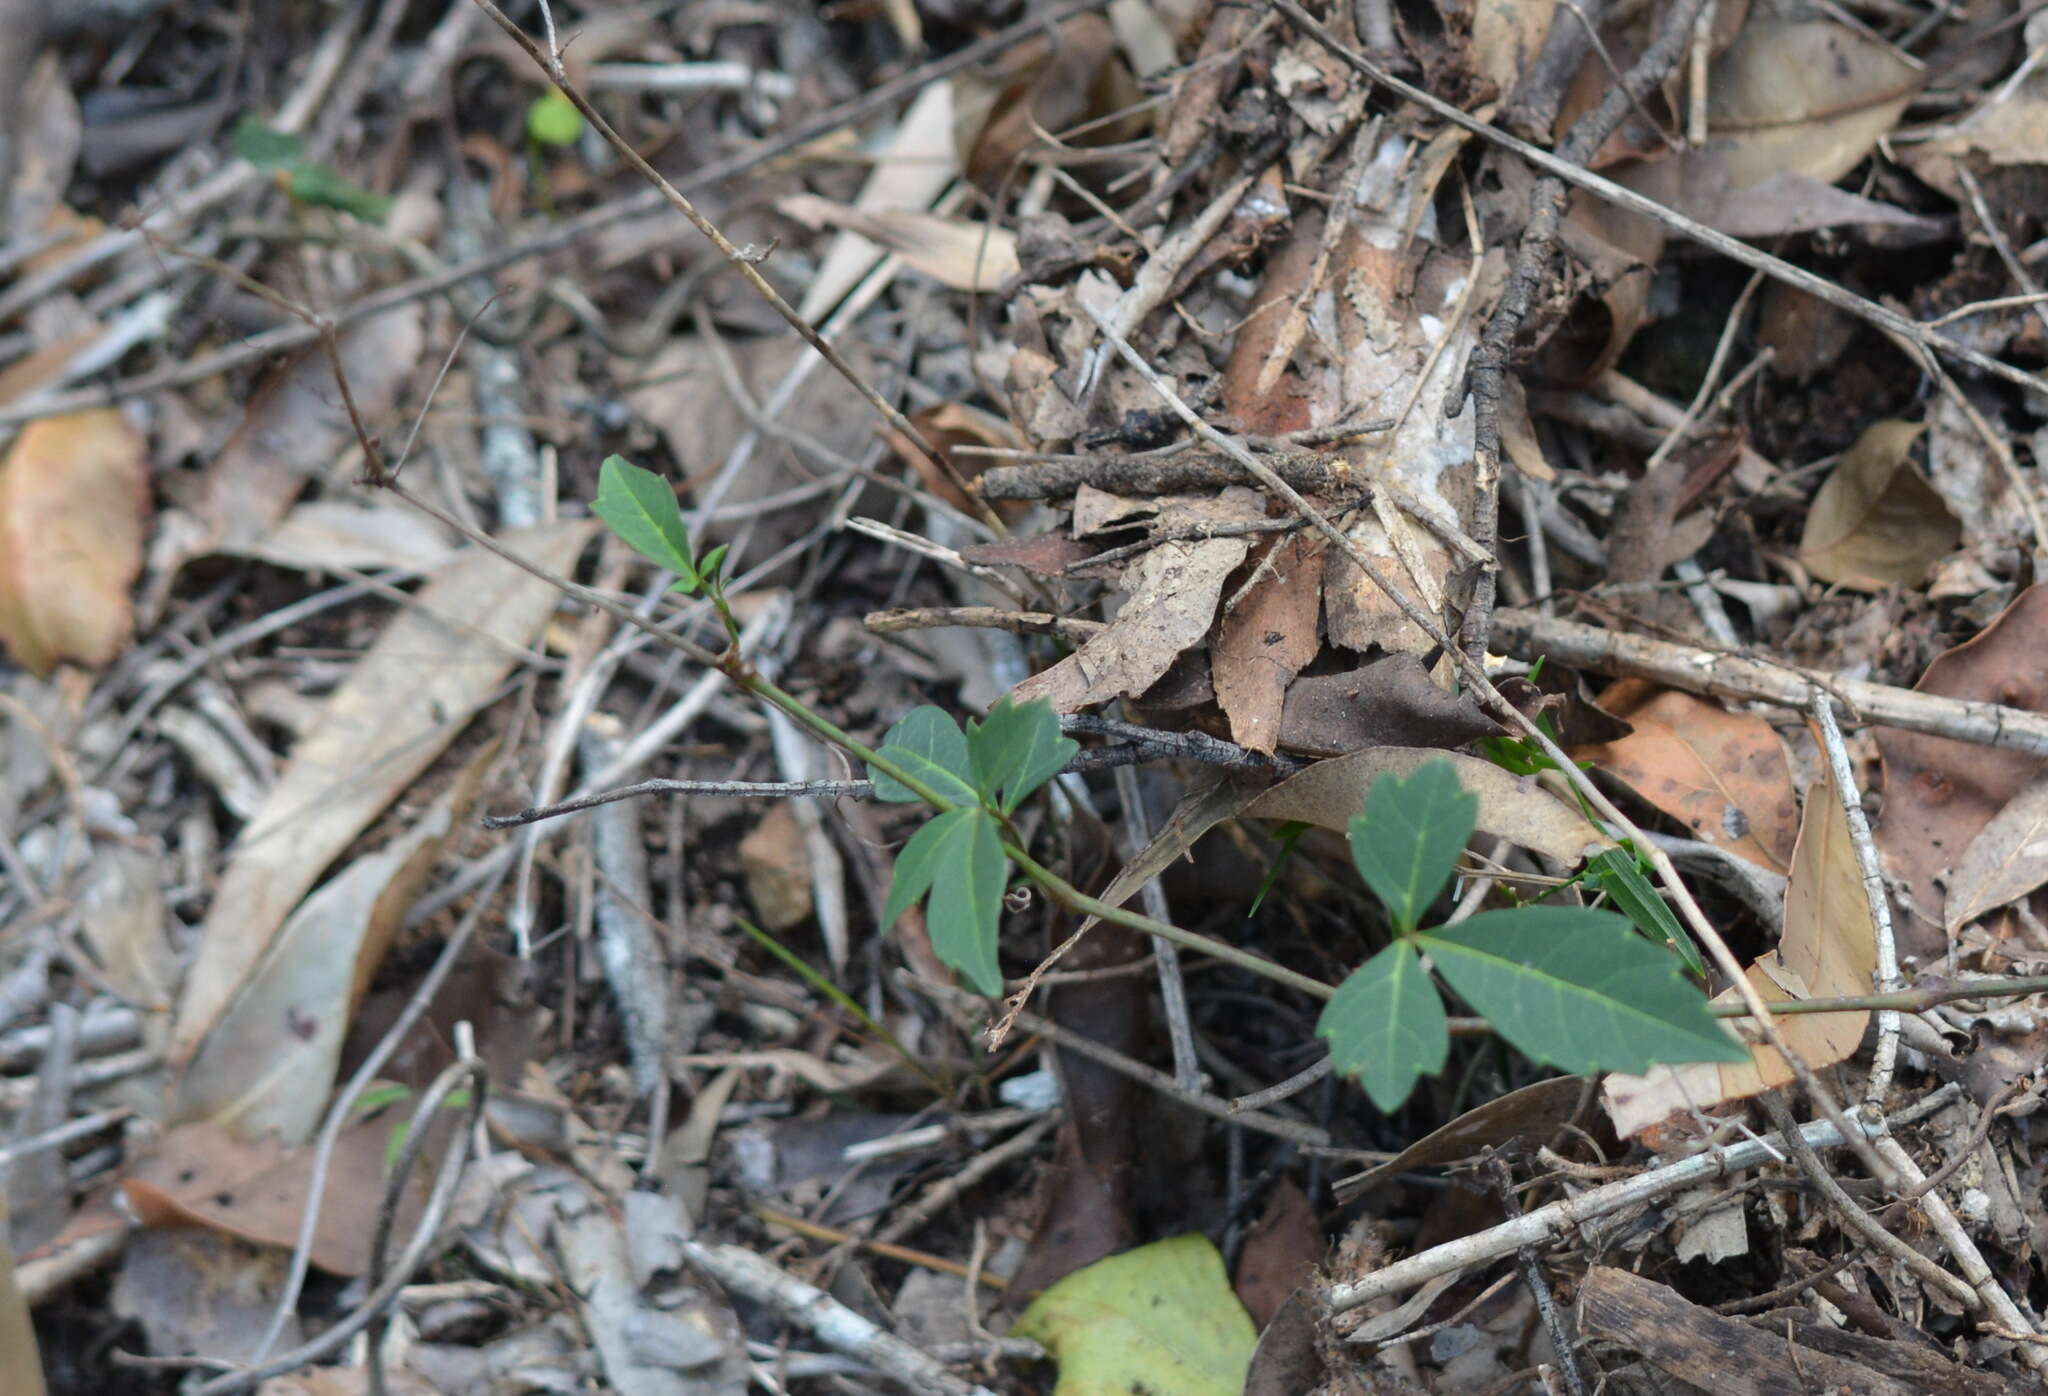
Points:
(268, 1066)
(1506, 37)
(436, 663)
(336, 534)
(74, 504)
(1172, 595)
(1828, 950)
(912, 169)
(1329, 793)
(298, 425)
(2006, 861)
(1267, 640)
(1810, 96)
(1723, 774)
(2009, 132)
(1876, 522)
(955, 252)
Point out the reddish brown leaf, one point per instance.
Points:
(1939, 794)
(1723, 774)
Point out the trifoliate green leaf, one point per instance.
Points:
(1578, 989)
(1386, 1025)
(1406, 844)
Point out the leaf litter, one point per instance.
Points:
(255, 706)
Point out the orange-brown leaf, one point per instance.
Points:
(74, 503)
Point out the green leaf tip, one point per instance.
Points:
(1406, 844)
(552, 119)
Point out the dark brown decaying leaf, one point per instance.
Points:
(1281, 1251)
(1877, 522)
(1530, 1112)
(74, 501)
(1391, 701)
(1723, 774)
(1940, 794)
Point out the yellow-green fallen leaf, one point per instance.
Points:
(1161, 1319)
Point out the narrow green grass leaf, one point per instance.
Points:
(931, 746)
(1578, 989)
(1386, 1025)
(1615, 873)
(1407, 842)
(1016, 749)
(322, 187)
(965, 912)
(641, 508)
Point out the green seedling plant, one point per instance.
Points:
(307, 181)
(1574, 987)
(552, 122)
(956, 863)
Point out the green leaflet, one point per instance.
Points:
(1578, 989)
(957, 858)
(930, 745)
(1406, 844)
(1016, 749)
(1386, 1025)
(641, 508)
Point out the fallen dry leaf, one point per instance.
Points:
(955, 252)
(1173, 591)
(1939, 794)
(1512, 807)
(298, 425)
(1876, 522)
(777, 869)
(2006, 861)
(1810, 96)
(74, 504)
(1722, 774)
(1828, 949)
(1535, 1110)
(1391, 701)
(1272, 634)
(436, 663)
(913, 166)
(267, 1067)
(257, 1189)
